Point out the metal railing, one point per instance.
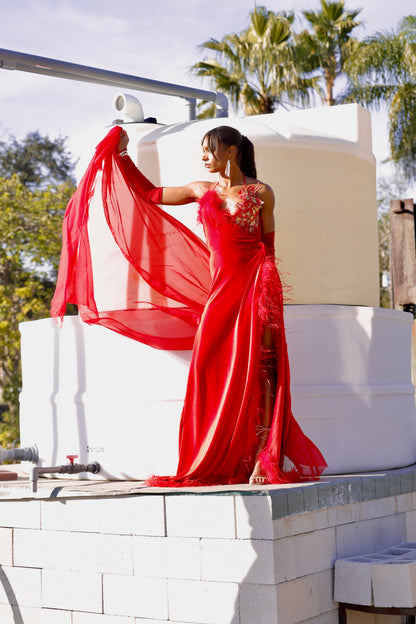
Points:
(11, 60)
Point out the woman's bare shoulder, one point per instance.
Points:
(262, 186)
(265, 191)
(201, 187)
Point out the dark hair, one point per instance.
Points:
(230, 136)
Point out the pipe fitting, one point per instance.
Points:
(70, 468)
(222, 105)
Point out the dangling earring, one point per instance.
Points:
(227, 168)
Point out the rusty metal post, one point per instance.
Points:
(403, 262)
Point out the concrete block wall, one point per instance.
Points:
(235, 557)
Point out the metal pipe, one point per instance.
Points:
(12, 60)
(29, 453)
(70, 468)
(191, 106)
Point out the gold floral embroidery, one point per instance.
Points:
(245, 212)
(247, 209)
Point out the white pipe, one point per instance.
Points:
(12, 60)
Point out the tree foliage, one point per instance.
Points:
(257, 68)
(327, 46)
(383, 73)
(37, 160)
(32, 206)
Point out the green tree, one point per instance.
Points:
(258, 67)
(30, 230)
(383, 73)
(37, 160)
(324, 51)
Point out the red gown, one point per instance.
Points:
(222, 411)
(221, 418)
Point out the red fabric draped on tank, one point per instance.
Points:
(170, 264)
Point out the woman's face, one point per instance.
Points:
(214, 162)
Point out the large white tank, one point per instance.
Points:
(320, 165)
(89, 391)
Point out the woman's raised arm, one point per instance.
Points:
(171, 195)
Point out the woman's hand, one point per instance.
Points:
(123, 142)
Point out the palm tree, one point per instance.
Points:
(383, 72)
(257, 68)
(326, 49)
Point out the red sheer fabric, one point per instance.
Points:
(174, 296)
(168, 264)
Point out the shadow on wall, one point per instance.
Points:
(11, 597)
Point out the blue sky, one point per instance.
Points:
(155, 39)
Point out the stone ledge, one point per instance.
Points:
(286, 499)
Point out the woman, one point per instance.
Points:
(236, 423)
(225, 301)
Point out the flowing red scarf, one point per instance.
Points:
(168, 274)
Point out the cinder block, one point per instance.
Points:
(389, 531)
(304, 554)
(77, 591)
(354, 539)
(411, 525)
(135, 597)
(298, 600)
(404, 502)
(22, 513)
(88, 552)
(6, 547)
(254, 517)
(315, 521)
(258, 604)
(8, 614)
(343, 515)
(29, 615)
(296, 500)
(167, 557)
(99, 618)
(325, 582)
(353, 581)
(200, 516)
(377, 508)
(203, 602)
(394, 585)
(123, 515)
(370, 536)
(385, 579)
(20, 586)
(302, 523)
(239, 561)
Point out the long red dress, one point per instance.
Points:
(222, 411)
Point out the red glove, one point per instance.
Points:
(139, 182)
(268, 240)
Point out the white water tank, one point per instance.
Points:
(89, 391)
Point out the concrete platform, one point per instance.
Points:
(117, 552)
